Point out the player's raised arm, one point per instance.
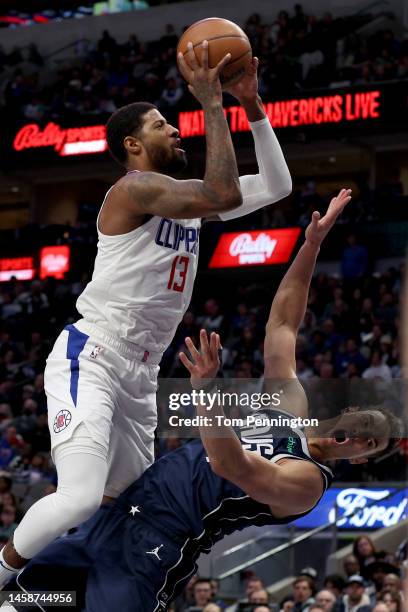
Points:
(157, 194)
(273, 181)
(279, 486)
(289, 305)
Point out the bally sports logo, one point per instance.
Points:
(54, 261)
(259, 248)
(65, 141)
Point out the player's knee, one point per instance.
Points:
(80, 503)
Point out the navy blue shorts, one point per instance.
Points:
(113, 562)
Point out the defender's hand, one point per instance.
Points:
(204, 82)
(318, 229)
(205, 363)
(247, 87)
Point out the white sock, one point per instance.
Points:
(6, 571)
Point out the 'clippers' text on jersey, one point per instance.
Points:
(143, 280)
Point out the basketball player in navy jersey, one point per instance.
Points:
(101, 375)
(137, 554)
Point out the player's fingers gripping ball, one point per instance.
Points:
(223, 37)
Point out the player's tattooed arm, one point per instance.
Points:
(156, 194)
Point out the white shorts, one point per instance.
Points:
(94, 378)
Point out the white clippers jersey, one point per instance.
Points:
(142, 281)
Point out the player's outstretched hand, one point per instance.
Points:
(247, 87)
(318, 228)
(203, 364)
(204, 82)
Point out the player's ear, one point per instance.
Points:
(132, 145)
(358, 461)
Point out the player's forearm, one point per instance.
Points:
(221, 172)
(273, 182)
(290, 302)
(224, 450)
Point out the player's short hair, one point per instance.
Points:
(395, 424)
(126, 121)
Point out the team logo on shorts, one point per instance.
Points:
(62, 420)
(95, 351)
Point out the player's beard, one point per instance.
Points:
(165, 160)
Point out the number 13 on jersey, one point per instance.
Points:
(178, 273)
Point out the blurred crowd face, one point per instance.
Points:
(212, 608)
(326, 600)
(392, 581)
(259, 597)
(253, 584)
(391, 601)
(302, 591)
(8, 516)
(364, 547)
(351, 565)
(355, 591)
(381, 607)
(288, 606)
(202, 593)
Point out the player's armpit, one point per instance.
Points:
(157, 194)
(292, 487)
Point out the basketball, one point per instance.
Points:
(223, 37)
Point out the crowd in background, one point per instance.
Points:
(45, 11)
(370, 582)
(297, 51)
(350, 331)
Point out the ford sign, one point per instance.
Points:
(359, 508)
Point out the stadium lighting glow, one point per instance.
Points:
(21, 268)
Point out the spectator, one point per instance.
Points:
(212, 607)
(355, 599)
(364, 550)
(253, 584)
(380, 607)
(260, 596)
(8, 521)
(303, 594)
(202, 592)
(351, 565)
(287, 604)
(393, 581)
(326, 600)
(335, 584)
(392, 599)
(354, 260)
(377, 369)
(212, 319)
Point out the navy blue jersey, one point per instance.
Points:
(181, 495)
(149, 541)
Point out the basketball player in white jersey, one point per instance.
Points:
(101, 375)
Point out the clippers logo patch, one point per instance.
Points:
(62, 420)
(95, 351)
